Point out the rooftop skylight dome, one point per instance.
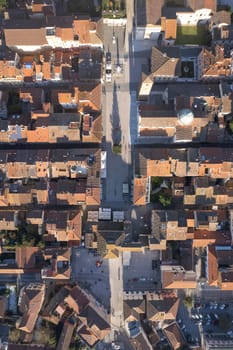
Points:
(185, 116)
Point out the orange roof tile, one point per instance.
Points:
(26, 257)
(139, 195)
(82, 29)
(46, 70)
(38, 135)
(212, 267)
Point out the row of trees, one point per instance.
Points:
(45, 334)
(3, 4)
(25, 235)
(114, 5)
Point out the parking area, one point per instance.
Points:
(188, 326)
(92, 274)
(142, 273)
(210, 319)
(214, 317)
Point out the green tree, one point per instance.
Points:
(188, 301)
(231, 126)
(105, 4)
(156, 181)
(46, 334)
(165, 199)
(117, 5)
(116, 149)
(3, 4)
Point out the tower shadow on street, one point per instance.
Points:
(115, 118)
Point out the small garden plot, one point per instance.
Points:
(193, 35)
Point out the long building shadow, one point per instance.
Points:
(115, 118)
(118, 53)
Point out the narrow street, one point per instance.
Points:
(116, 116)
(117, 109)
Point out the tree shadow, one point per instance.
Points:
(115, 118)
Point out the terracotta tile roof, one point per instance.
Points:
(158, 59)
(87, 121)
(89, 96)
(149, 11)
(57, 69)
(56, 300)
(26, 257)
(202, 238)
(82, 28)
(24, 196)
(37, 7)
(184, 133)
(70, 191)
(66, 34)
(92, 319)
(65, 226)
(208, 59)
(8, 71)
(65, 97)
(59, 268)
(39, 135)
(200, 4)
(174, 336)
(169, 27)
(74, 226)
(86, 334)
(30, 304)
(95, 132)
(141, 342)
(212, 267)
(219, 68)
(170, 68)
(95, 39)
(139, 194)
(93, 196)
(28, 322)
(176, 277)
(25, 37)
(46, 70)
(77, 300)
(161, 309)
(42, 194)
(133, 309)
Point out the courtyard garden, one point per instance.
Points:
(193, 35)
